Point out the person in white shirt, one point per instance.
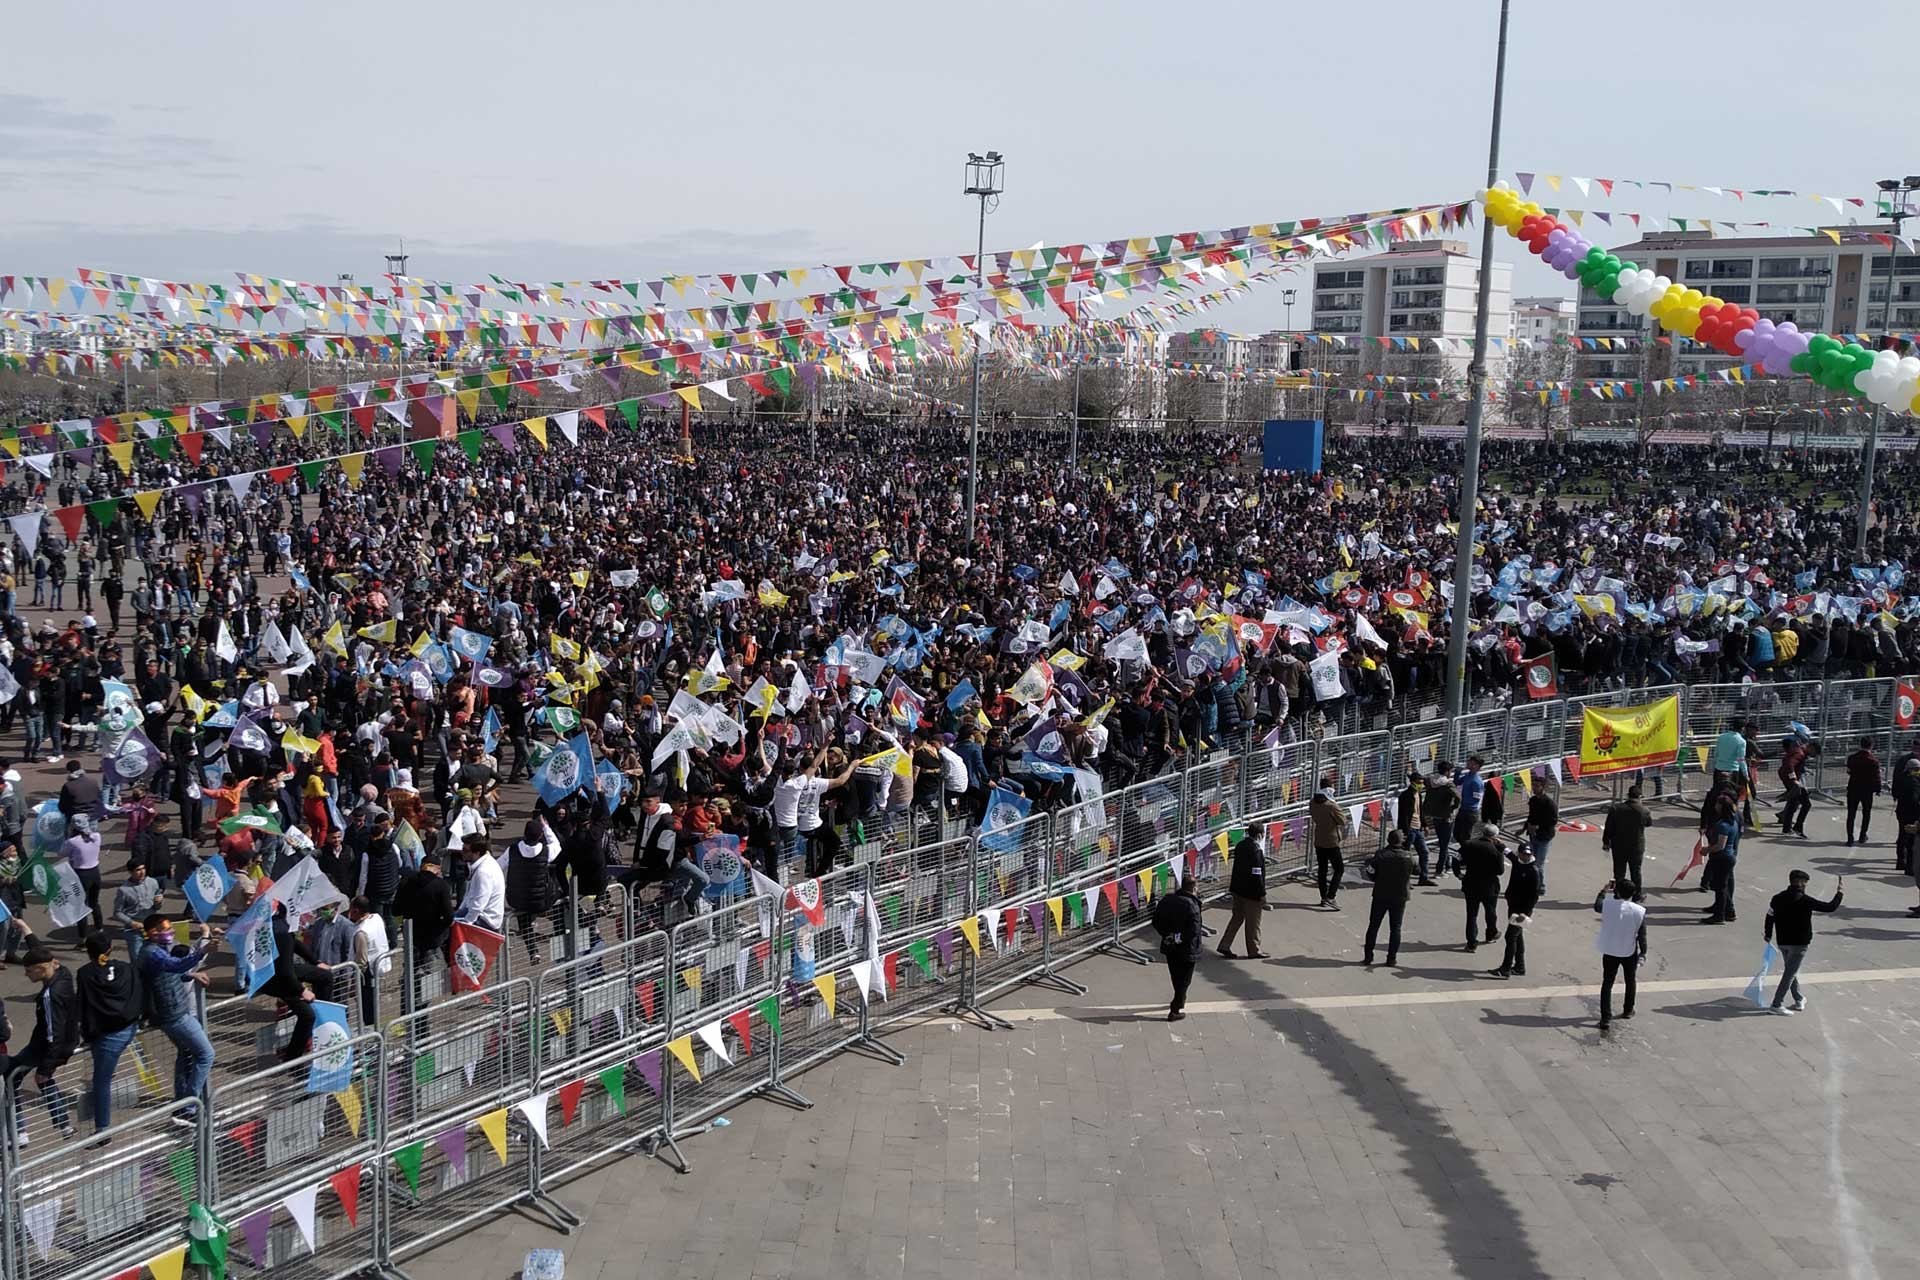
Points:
(485, 901)
(953, 777)
(1622, 943)
(370, 952)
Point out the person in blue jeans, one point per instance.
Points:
(108, 991)
(167, 972)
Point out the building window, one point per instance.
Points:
(1720, 269)
(1788, 268)
(1340, 279)
(1419, 276)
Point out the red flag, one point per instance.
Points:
(1543, 680)
(1699, 856)
(570, 1099)
(805, 897)
(742, 1024)
(346, 1185)
(1905, 699)
(471, 954)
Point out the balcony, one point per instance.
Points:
(1419, 276)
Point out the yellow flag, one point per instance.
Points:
(580, 578)
(1621, 739)
(1068, 659)
(349, 1100)
(689, 394)
(970, 930)
(335, 639)
(420, 644)
(562, 1021)
(122, 455)
(772, 599)
(691, 977)
(169, 1264)
(353, 464)
(537, 428)
(824, 984)
(293, 740)
(494, 1125)
(564, 648)
(298, 425)
(682, 1051)
(196, 705)
(1054, 906)
(147, 502)
(380, 632)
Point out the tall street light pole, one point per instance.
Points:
(1460, 618)
(1898, 195)
(1287, 296)
(984, 179)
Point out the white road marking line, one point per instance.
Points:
(1503, 992)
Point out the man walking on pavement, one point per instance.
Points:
(1622, 943)
(1410, 818)
(1248, 885)
(1723, 854)
(1624, 834)
(1177, 918)
(1392, 869)
(1790, 917)
(1328, 823)
(1863, 784)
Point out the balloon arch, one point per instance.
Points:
(1884, 378)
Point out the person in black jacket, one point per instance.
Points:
(1790, 917)
(377, 877)
(426, 900)
(294, 968)
(1480, 866)
(1177, 918)
(56, 1032)
(1393, 869)
(530, 887)
(1248, 885)
(111, 1002)
(1523, 895)
(1624, 834)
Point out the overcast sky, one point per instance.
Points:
(574, 139)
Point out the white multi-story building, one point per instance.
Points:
(1541, 322)
(1810, 280)
(1415, 291)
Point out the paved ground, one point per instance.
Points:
(1313, 1118)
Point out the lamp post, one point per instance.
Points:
(1460, 618)
(1898, 194)
(1287, 296)
(985, 180)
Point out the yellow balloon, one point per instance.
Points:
(1675, 291)
(1533, 208)
(1693, 297)
(1914, 408)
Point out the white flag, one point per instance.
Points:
(223, 643)
(1325, 670)
(863, 977)
(711, 1037)
(1067, 585)
(299, 1207)
(535, 1110)
(301, 652)
(799, 691)
(274, 644)
(27, 529)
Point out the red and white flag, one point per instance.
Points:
(1906, 705)
(1543, 679)
(807, 898)
(470, 955)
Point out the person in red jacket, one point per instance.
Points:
(1863, 784)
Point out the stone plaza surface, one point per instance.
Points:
(1315, 1118)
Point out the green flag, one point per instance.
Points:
(423, 451)
(614, 1081)
(207, 1241)
(921, 955)
(182, 1166)
(770, 1014)
(470, 445)
(408, 1158)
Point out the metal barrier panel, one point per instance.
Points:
(1588, 792)
(250, 1031)
(1712, 709)
(1016, 864)
(78, 1210)
(821, 1009)
(286, 1160)
(1856, 711)
(1357, 762)
(919, 892)
(1535, 733)
(1215, 794)
(452, 1069)
(606, 1092)
(1280, 775)
(724, 975)
(1483, 734)
(1144, 828)
(535, 940)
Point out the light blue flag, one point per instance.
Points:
(471, 645)
(254, 950)
(610, 782)
(332, 1068)
(567, 770)
(961, 692)
(1005, 809)
(207, 888)
(490, 729)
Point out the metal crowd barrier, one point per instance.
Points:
(447, 1109)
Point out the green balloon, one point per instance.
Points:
(1607, 285)
(1806, 363)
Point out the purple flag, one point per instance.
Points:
(503, 436)
(1037, 917)
(254, 1228)
(453, 1145)
(944, 941)
(648, 1065)
(1132, 885)
(262, 432)
(390, 459)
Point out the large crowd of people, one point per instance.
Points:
(787, 644)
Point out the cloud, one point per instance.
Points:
(61, 146)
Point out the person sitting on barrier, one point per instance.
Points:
(56, 1033)
(166, 970)
(1480, 867)
(294, 969)
(371, 951)
(1410, 819)
(1176, 918)
(654, 842)
(1248, 885)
